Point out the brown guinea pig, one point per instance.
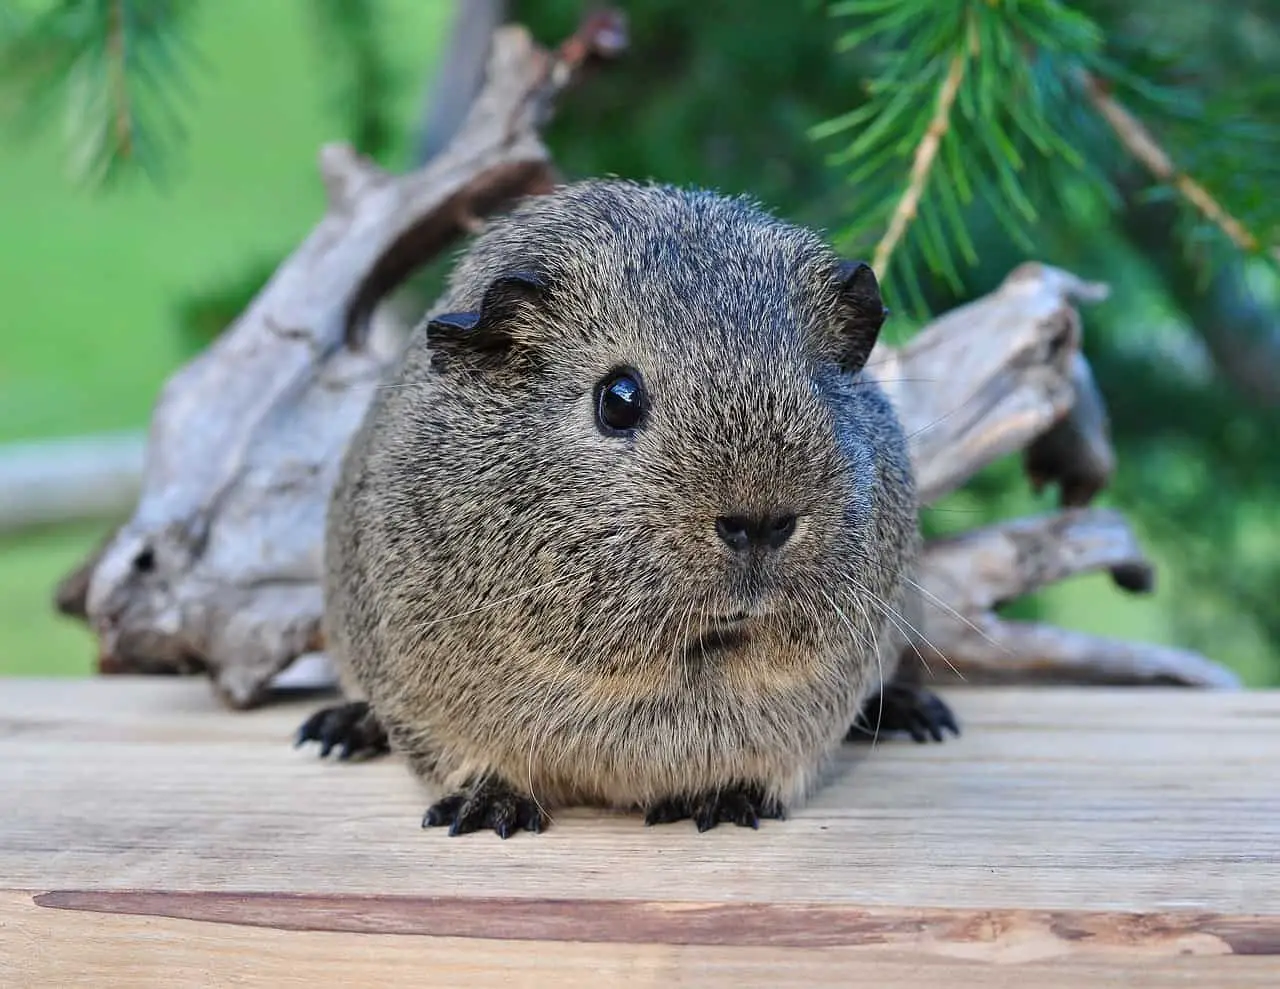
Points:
(628, 525)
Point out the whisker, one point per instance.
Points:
(896, 616)
(950, 610)
(900, 381)
(894, 620)
(875, 645)
(533, 744)
(875, 738)
(942, 418)
(685, 628)
(651, 643)
(689, 670)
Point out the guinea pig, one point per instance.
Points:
(628, 525)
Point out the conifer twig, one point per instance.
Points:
(921, 164)
(119, 84)
(1140, 143)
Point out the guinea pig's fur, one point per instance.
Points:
(537, 611)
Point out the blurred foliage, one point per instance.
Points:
(754, 102)
(115, 71)
(359, 77)
(820, 111)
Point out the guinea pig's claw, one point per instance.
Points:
(900, 707)
(488, 804)
(744, 806)
(352, 728)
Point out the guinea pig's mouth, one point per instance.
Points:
(726, 632)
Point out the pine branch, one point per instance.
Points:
(116, 62)
(970, 116)
(117, 66)
(956, 114)
(922, 164)
(1139, 142)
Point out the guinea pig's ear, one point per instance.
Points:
(862, 313)
(495, 327)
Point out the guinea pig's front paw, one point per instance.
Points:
(352, 726)
(486, 803)
(743, 805)
(921, 713)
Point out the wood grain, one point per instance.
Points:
(635, 922)
(41, 948)
(1069, 836)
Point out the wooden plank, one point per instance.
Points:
(1062, 800)
(1068, 834)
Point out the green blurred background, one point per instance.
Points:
(105, 292)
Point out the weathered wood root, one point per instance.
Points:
(988, 378)
(966, 578)
(218, 569)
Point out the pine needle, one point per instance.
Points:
(972, 108)
(117, 68)
(922, 164)
(1138, 140)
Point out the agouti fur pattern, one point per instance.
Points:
(629, 524)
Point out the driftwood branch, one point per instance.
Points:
(966, 578)
(988, 378)
(460, 75)
(218, 568)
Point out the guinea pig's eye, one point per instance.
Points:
(620, 402)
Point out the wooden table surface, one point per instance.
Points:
(1069, 838)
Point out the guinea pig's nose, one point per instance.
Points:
(742, 532)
